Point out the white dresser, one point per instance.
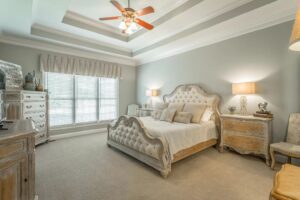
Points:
(23, 104)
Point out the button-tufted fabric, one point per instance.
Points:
(131, 137)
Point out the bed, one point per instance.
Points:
(158, 143)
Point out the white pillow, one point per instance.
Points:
(206, 115)
(196, 109)
(167, 115)
(177, 106)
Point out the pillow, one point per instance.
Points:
(177, 106)
(196, 109)
(206, 115)
(156, 114)
(168, 115)
(160, 105)
(183, 117)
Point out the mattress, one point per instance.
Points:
(178, 135)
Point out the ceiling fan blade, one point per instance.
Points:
(110, 18)
(145, 11)
(117, 5)
(144, 24)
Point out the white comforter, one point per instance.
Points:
(180, 136)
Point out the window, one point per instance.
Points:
(81, 99)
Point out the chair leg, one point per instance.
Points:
(273, 158)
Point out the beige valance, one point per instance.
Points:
(79, 66)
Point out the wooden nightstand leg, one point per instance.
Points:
(289, 160)
(221, 149)
(273, 158)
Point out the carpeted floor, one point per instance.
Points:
(84, 168)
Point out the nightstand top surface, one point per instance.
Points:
(247, 117)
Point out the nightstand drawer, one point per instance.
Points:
(249, 128)
(245, 144)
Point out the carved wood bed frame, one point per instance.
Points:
(129, 135)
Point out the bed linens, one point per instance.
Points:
(180, 136)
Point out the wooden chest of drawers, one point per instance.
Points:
(246, 134)
(31, 105)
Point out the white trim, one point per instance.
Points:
(75, 134)
(69, 49)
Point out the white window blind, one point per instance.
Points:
(81, 99)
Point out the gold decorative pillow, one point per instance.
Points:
(183, 117)
(168, 115)
(177, 106)
(196, 109)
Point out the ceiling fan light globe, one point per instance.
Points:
(122, 26)
(133, 26)
(128, 31)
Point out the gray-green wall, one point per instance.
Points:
(261, 56)
(28, 58)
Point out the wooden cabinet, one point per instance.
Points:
(246, 134)
(17, 161)
(31, 105)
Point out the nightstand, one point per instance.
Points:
(246, 134)
(144, 112)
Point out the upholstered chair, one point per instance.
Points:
(291, 147)
(132, 110)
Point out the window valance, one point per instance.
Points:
(79, 66)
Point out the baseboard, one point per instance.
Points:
(75, 134)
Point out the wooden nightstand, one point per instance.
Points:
(246, 134)
(144, 112)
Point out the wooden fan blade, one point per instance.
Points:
(144, 24)
(117, 5)
(110, 18)
(145, 11)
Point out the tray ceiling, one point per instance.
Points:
(180, 25)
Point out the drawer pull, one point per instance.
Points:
(42, 115)
(42, 106)
(25, 180)
(28, 97)
(42, 125)
(42, 97)
(28, 117)
(28, 107)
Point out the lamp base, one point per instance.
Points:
(243, 105)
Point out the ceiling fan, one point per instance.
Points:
(130, 17)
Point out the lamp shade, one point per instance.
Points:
(148, 93)
(243, 88)
(295, 37)
(154, 93)
(151, 93)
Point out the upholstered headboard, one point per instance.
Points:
(192, 93)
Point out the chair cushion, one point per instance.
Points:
(287, 183)
(286, 148)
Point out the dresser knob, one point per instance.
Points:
(28, 106)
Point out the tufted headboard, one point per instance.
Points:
(192, 93)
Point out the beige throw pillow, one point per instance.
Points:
(196, 109)
(156, 114)
(168, 115)
(207, 115)
(177, 106)
(183, 117)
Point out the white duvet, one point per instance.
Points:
(180, 136)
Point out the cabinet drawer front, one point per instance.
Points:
(36, 117)
(34, 97)
(40, 126)
(245, 144)
(34, 106)
(12, 148)
(250, 128)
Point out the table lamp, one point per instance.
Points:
(151, 93)
(295, 37)
(243, 89)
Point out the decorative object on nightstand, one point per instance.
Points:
(243, 89)
(246, 134)
(291, 147)
(144, 112)
(263, 112)
(29, 81)
(232, 109)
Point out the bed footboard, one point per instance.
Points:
(130, 136)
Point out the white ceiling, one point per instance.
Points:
(180, 25)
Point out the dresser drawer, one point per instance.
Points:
(34, 96)
(245, 144)
(248, 128)
(12, 148)
(36, 117)
(34, 107)
(40, 126)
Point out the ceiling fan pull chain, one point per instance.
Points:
(128, 3)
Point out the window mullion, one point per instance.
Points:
(98, 100)
(74, 99)
(99, 85)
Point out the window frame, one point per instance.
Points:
(82, 124)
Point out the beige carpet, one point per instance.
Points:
(84, 168)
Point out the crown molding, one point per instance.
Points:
(82, 22)
(237, 34)
(58, 47)
(66, 37)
